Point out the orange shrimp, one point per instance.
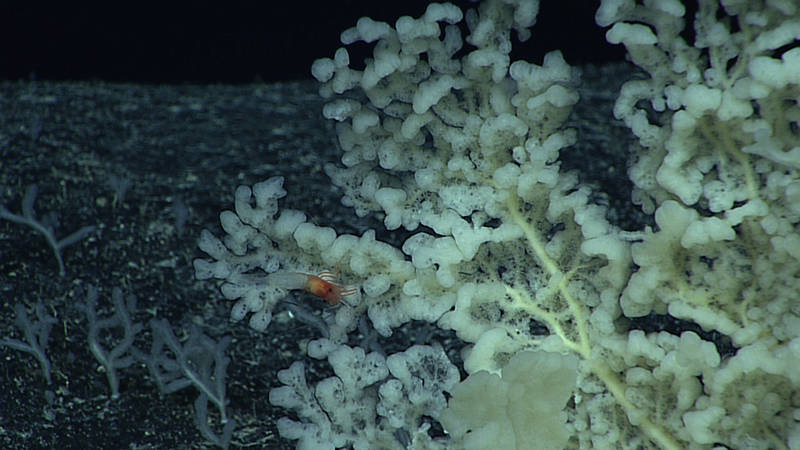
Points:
(323, 285)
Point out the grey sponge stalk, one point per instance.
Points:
(116, 357)
(36, 335)
(45, 226)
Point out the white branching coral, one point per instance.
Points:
(371, 400)
(460, 145)
(259, 242)
(719, 163)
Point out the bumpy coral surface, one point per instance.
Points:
(448, 138)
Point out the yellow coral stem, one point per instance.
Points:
(581, 347)
(655, 432)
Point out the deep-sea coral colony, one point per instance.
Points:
(468, 147)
